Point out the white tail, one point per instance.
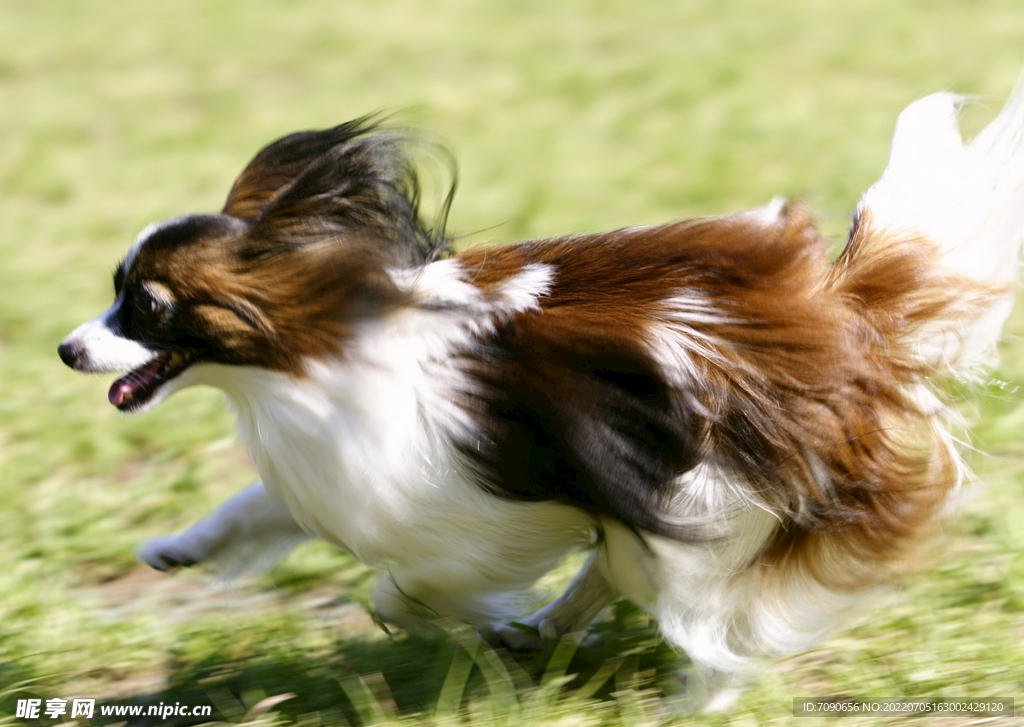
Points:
(966, 199)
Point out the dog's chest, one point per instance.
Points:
(356, 470)
(369, 463)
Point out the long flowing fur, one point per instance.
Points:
(925, 282)
(745, 436)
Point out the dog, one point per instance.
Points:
(745, 436)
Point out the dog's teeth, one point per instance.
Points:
(177, 358)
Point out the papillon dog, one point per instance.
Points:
(744, 435)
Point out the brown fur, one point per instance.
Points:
(275, 309)
(682, 382)
(808, 388)
(803, 371)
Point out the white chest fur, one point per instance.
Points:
(363, 452)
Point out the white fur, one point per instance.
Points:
(968, 200)
(362, 453)
(521, 291)
(103, 349)
(678, 341)
(251, 530)
(769, 215)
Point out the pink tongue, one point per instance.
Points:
(123, 389)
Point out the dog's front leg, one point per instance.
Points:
(253, 529)
(573, 611)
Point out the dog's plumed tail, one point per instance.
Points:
(930, 269)
(968, 201)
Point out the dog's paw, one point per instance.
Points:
(517, 636)
(167, 553)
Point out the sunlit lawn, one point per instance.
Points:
(564, 116)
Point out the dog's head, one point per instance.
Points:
(301, 253)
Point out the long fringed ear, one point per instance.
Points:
(353, 182)
(279, 163)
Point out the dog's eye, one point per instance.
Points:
(145, 303)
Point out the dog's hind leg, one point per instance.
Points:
(573, 611)
(416, 597)
(251, 530)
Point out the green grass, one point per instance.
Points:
(565, 116)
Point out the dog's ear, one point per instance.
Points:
(280, 163)
(345, 184)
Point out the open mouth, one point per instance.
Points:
(138, 386)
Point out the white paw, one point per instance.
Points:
(524, 636)
(168, 552)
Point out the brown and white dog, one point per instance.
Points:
(741, 433)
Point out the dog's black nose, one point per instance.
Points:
(69, 353)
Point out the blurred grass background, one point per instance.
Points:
(575, 115)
